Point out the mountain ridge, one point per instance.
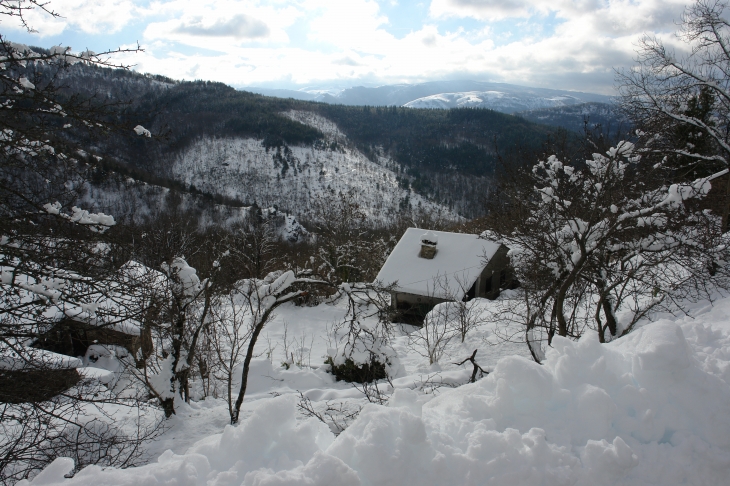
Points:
(410, 94)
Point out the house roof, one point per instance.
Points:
(459, 260)
(32, 358)
(118, 307)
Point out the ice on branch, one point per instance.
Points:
(97, 222)
(184, 277)
(140, 130)
(26, 84)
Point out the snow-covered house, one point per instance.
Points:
(430, 267)
(59, 339)
(35, 375)
(112, 317)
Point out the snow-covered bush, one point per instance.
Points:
(352, 371)
(360, 349)
(600, 246)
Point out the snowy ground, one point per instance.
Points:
(650, 408)
(306, 337)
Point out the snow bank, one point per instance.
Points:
(650, 408)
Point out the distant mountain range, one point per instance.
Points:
(574, 117)
(506, 98)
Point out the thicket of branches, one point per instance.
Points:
(681, 100)
(55, 264)
(601, 240)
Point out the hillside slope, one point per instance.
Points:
(292, 178)
(573, 117)
(446, 156)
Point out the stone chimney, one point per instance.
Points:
(428, 245)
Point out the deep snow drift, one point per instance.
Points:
(650, 408)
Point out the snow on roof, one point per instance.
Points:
(116, 308)
(459, 260)
(32, 358)
(429, 237)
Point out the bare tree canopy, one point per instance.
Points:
(681, 100)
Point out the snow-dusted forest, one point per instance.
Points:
(226, 317)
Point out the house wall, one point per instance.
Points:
(489, 281)
(20, 386)
(72, 338)
(413, 299)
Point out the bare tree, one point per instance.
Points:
(347, 248)
(55, 259)
(259, 299)
(254, 245)
(682, 100)
(594, 240)
(185, 304)
(230, 335)
(466, 316)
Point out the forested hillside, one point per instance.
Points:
(445, 155)
(577, 117)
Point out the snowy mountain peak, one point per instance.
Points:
(507, 98)
(494, 100)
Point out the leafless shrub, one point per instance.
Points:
(432, 383)
(477, 368)
(336, 415)
(378, 391)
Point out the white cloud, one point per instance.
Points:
(489, 9)
(352, 24)
(220, 25)
(87, 16)
(572, 44)
(239, 26)
(612, 16)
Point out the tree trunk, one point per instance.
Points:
(249, 353)
(726, 206)
(562, 291)
(610, 318)
(168, 406)
(247, 365)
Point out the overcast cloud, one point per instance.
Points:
(240, 26)
(290, 43)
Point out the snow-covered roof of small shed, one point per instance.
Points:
(457, 264)
(115, 309)
(32, 358)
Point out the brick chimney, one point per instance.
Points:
(428, 245)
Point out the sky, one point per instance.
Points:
(560, 44)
